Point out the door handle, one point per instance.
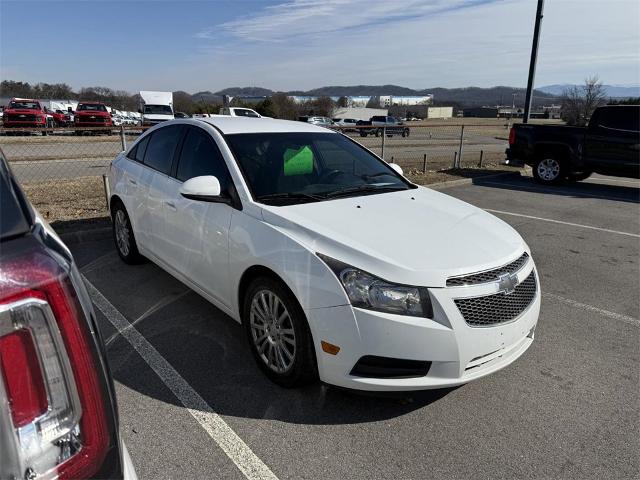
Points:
(132, 181)
(171, 205)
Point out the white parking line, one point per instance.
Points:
(239, 452)
(615, 316)
(617, 232)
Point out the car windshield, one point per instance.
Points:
(158, 110)
(25, 105)
(287, 168)
(91, 107)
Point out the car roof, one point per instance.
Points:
(231, 125)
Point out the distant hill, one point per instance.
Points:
(364, 90)
(245, 92)
(465, 97)
(614, 91)
(206, 97)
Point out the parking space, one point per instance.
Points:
(193, 403)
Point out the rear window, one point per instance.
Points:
(623, 118)
(162, 147)
(137, 152)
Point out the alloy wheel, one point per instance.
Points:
(548, 169)
(122, 233)
(272, 331)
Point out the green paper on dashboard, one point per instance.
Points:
(298, 162)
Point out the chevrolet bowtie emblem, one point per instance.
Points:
(507, 283)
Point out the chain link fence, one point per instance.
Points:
(62, 170)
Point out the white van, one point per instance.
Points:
(156, 107)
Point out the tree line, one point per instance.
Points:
(278, 105)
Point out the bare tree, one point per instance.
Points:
(578, 103)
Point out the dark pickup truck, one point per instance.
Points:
(389, 125)
(609, 145)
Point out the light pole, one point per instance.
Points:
(532, 63)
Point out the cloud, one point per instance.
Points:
(309, 18)
(301, 44)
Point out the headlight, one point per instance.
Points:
(367, 291)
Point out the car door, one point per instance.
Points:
(612, 141)
(158, 160)
(197, 232)
(134, 193)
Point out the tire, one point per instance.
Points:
(363, 134)
(577, 176)
(123, 236)
(549, 170)
(378, 133)
(285, 355)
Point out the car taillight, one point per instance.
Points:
(512, 136)
(56, 415)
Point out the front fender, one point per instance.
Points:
(253, 242)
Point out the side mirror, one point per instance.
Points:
(205, 188)
(139, 110)
(397, 168)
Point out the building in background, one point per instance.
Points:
(439, 112)
(481, 112)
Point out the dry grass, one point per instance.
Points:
(68, 199)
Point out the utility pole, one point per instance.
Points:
(532, 63)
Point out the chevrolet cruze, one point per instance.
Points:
(336, 265)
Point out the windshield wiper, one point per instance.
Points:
(290, 196)
(366, 188)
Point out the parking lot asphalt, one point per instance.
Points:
(568, 408)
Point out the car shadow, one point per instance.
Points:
(594, 188)
(210, 351)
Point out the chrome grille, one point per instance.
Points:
(488, 276)
(500, 307)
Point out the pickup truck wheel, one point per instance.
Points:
(577, 176)
(278, 333)
(548, 170)
(378, 132)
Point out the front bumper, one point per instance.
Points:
(458, 352)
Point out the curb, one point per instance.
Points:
(467, 181)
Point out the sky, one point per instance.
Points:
(302, 44)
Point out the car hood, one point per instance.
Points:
(158, 116)
(418, 237)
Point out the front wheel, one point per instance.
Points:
(123, 236)
(548, 171)
(278, 333)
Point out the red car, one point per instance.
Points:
(26, 113)
(60, 118)
(92, 114)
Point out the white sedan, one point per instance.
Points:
(335, 264)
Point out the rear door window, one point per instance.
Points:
(200, 156)
(162, 147)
